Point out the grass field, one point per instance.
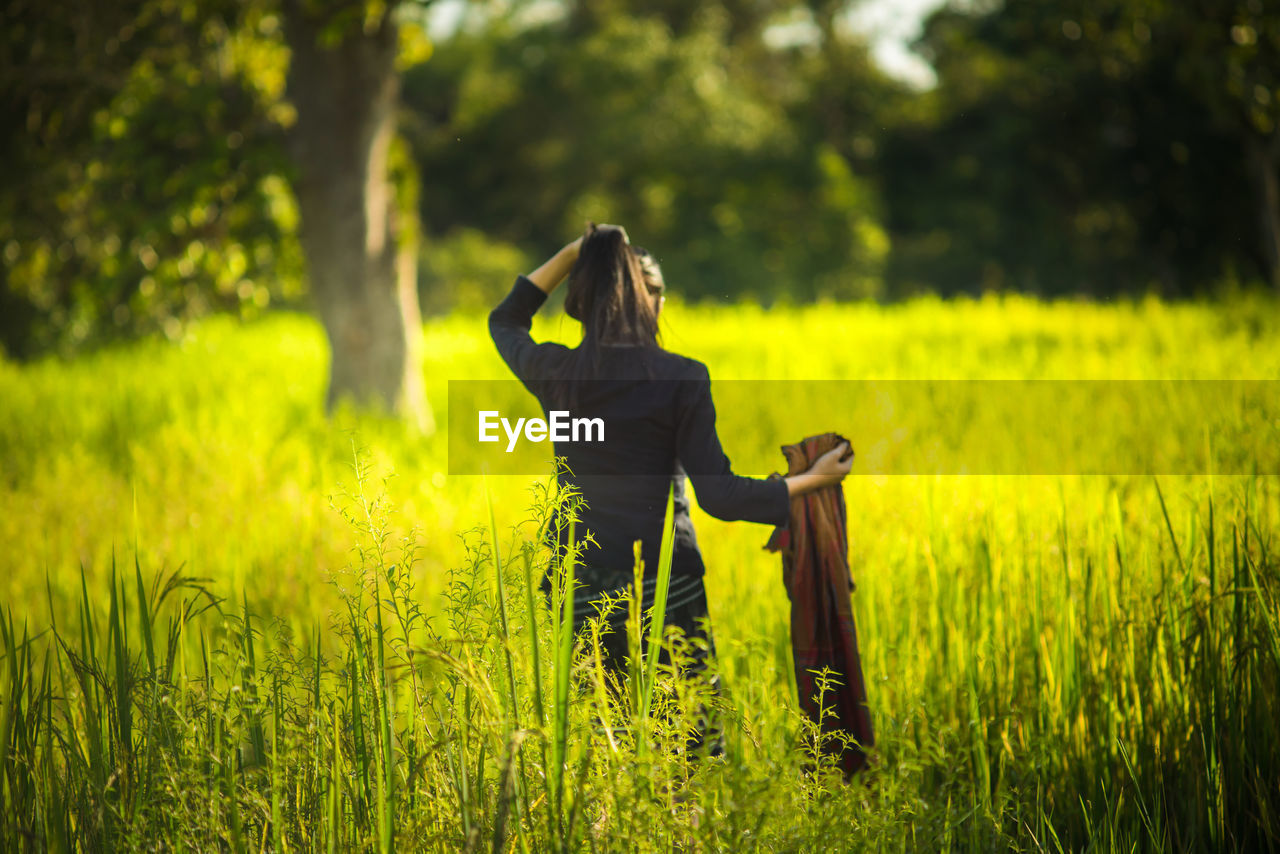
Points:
(230, 623)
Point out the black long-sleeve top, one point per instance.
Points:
(660, 423)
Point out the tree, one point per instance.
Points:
(1230, 58)
(359, 237)
(1063, 151)
(154, 145)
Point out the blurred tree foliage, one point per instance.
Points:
(143, 178)
(1089, 146)
(1070, 146)
(677, 119)
(169, 157)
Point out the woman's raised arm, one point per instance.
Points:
(555, 268)
(510, 322)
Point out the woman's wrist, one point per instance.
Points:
(805, 482)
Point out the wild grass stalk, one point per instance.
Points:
(658, 614)
(1133, 705)
(563, 664)
(512, 785)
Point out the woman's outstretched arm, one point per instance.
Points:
(729, 496)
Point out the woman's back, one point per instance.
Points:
(639, 397)
(659, 423)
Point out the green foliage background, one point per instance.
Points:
(1099, 148)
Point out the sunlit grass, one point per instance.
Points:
(1052, 661)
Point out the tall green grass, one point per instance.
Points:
(1054, 663)
(1102, 714)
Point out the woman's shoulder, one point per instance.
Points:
(678, 367)
(547, 361)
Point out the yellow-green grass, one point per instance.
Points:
(1052, 661)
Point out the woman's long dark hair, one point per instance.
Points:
(613, 290)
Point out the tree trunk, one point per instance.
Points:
(1262, 161)
(360, 254)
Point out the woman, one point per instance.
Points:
(659, 425)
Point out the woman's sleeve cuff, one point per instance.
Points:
(527, 294)
(782, 504)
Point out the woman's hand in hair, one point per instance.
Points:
(553, 271)
(827, 470)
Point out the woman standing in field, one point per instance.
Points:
(659, 425)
